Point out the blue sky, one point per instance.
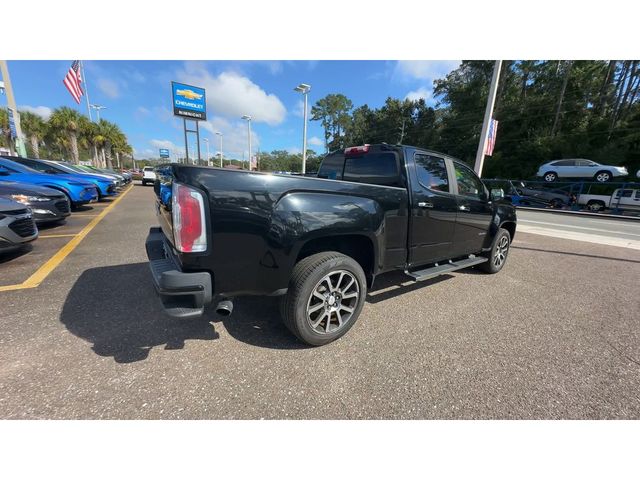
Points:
(138, 97)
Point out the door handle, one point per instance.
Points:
(425, 204)
(464, 208)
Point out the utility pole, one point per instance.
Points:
(11, 103)
(487, 117)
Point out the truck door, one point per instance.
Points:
(475, 212)
(433, 210)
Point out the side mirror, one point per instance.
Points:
(497, 194)
(3, 171)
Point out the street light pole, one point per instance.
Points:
(220, 134)
(304, 89)
(206, 140)
(97, 108)
(248, 119)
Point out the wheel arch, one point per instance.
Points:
(357, 246)
(510, 227)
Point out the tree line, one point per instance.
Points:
(69, 135)
(546, 110)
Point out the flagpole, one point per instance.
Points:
(482, 145)
(86, 90)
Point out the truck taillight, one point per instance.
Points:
(189, 227)
(355, 151)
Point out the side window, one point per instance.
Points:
(468, 183)
(432, 172)
(331, 167)
(36, 166)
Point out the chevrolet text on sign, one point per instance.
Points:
(189, 101)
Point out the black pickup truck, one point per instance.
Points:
(319, 242)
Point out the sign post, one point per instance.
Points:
(190, 103)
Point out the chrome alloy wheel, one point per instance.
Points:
(501, 251)
(603, 177)
(333, 301)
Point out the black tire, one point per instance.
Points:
(492, 266)
(556, 203)
(550, 177)
(144, 184)
(603, 176)
(309, 275)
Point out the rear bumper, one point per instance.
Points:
(183, 294)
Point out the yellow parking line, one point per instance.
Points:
(42, 273)
(58, 236)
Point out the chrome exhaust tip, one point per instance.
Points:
(224, 308)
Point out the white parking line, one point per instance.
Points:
(575, 226)
(581, 237)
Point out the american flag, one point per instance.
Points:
(491, 140)
(73, 81)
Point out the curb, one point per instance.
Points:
(582, 214)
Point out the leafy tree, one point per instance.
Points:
(333, 112)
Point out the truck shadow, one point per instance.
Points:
(116, 309)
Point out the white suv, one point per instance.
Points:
(148, 175)
(579, 168)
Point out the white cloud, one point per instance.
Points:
(415, 95)
(108, 87)
(298, 110)
(425, 69)
(318, 142)
(233, 95)
(294, 150)
(44, 112)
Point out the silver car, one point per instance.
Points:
(16, 225)
(579, 168)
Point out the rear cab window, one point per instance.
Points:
(373, 167)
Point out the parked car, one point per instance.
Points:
(17, 227)
(579, 168)
(47, 205)
(319, 243)
(524, 194)
(103, 171)
(622, 199)
(106, 186)
(148, 175)
(84, 169)
(78, 191)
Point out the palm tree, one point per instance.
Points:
(112, 136)
(35, 128)
(67, 120)
(89, 138)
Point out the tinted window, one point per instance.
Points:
(625, 193)
(586, 163)
(41, 167)
(432, 172)
(564, 163)
(331, 167)
(468, 183)
(376, 168)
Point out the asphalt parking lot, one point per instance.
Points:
(555, 335)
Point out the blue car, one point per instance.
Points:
(106, 185)
(78, 191)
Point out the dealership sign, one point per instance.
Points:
(189, 101)
(164, 153)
